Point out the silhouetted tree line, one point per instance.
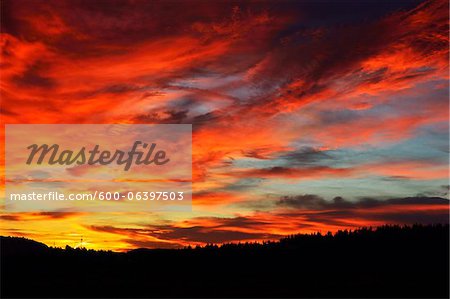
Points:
(388, 261)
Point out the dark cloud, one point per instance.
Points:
(336, 117)
(216, 234)
(39, 215)
(340, 51)
(204, 119)
(395, 178)
(244, 184)
(165, 117)
(241, 222)
(340, 212)
(311, 201)
(413, 217)
(122, 88)
(57, 214)
(304, 212)
(11, 217)
(93, 28)
(307, 172)
(7, 112)
(306, 156)
(32, 77)
(256, 153)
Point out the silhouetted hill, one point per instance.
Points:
(389, 261)
(21, 246)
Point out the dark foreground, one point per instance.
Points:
(387, 262)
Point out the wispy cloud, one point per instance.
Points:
(281, 97)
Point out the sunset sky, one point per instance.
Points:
(306, 115)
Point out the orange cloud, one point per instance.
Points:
(254, 80)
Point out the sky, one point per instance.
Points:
(306, 115)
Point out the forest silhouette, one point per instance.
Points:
(388, 261)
